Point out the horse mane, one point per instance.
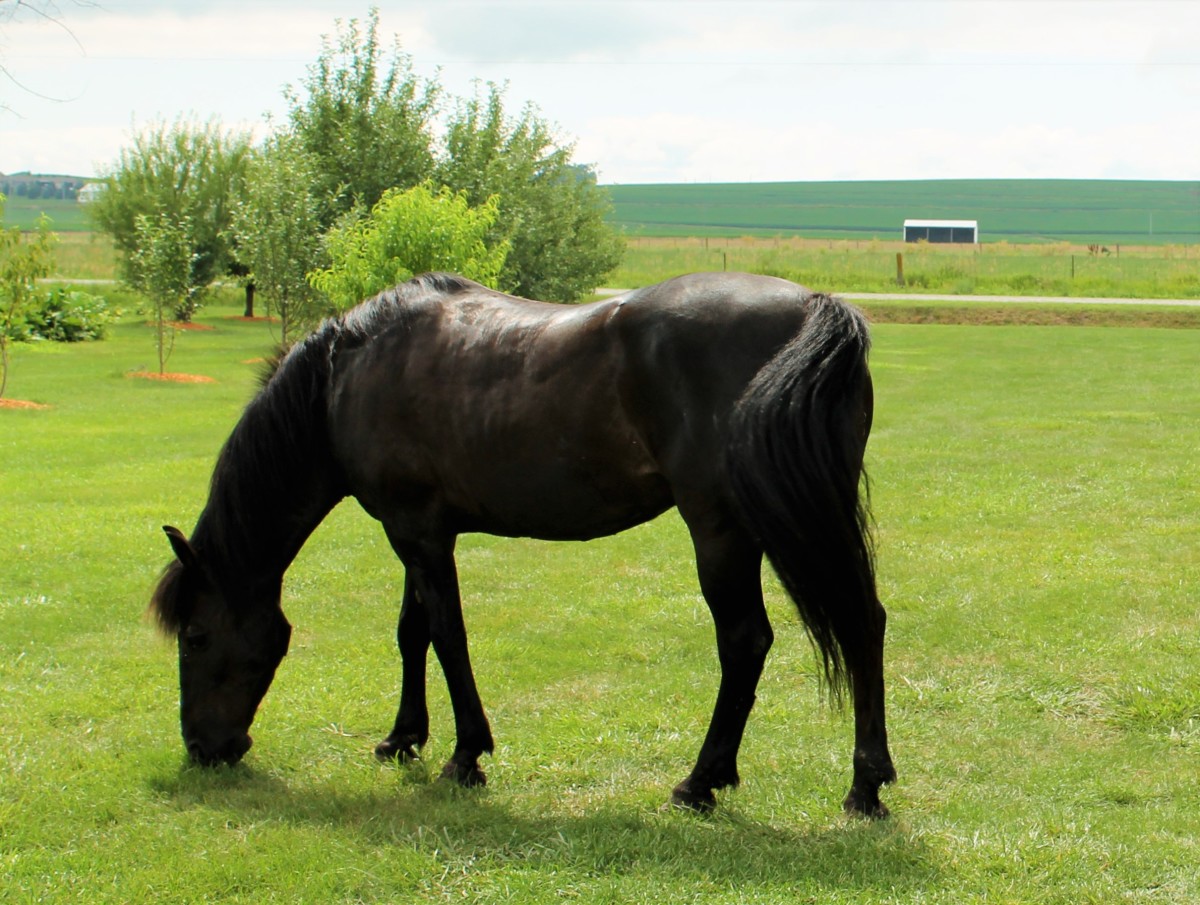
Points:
(373, 316)
(368, 318)
(257, 478)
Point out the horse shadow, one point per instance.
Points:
(726, 847)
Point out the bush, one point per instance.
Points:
(66, 316)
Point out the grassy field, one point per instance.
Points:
(1081, 211)
(1036, 236)
(1036, 493)
(1155, 271)
(1171, 271)
(65, 215)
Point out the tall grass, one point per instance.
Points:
(85, 256)
(990, 269)
(1036, 495)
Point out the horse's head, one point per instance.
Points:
(228, 653)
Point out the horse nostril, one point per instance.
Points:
(197, 753)
(236, 748)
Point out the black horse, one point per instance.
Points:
(445, 407)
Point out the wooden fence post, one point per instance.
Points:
(899, 268)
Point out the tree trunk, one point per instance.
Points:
(249, 299)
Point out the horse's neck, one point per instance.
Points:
(275, 481)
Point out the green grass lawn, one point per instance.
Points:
(1037, 491)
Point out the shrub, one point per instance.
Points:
(64, 315)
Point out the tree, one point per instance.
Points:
(22, 263)
(192, 172)
(551, 210)
(407, 233)
(277, 224)
(163, 268)
(364, 120)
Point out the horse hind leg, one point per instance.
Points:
(729, 567)
(872, 761)
(411, 730)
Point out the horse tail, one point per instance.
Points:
(795, 463)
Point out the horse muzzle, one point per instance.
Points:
(207, 754)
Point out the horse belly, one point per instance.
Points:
(458, 469)
(559, 498)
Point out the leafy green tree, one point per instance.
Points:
(163, 268)
(22, 263)
(277, 224)
(407, 233)
(192, 172)
(551, 210)
(364, 119)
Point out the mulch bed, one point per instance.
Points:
(173, 378)
(180, 325)
(21, 404)
(1012, 315)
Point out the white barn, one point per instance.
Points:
(966, 231)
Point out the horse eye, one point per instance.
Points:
(195, 641)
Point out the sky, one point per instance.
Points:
(656, 91)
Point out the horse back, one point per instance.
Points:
(478, 411)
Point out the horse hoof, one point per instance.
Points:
(397, 751)
(469, 776)
(684, 799)
(867, 806)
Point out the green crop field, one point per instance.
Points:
(1037, 493)
(1112, 212)
(65, 215)
(1080, 211)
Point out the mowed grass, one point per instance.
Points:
(1038, 506)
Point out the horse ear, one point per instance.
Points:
(182, 548)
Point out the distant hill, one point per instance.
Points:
(1016, 210)
(1013, 210)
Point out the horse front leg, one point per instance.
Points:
(411, 730)
(872, 761)
(430, 567)
(730, 578)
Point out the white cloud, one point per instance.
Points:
(671, 90)
(698, 149)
